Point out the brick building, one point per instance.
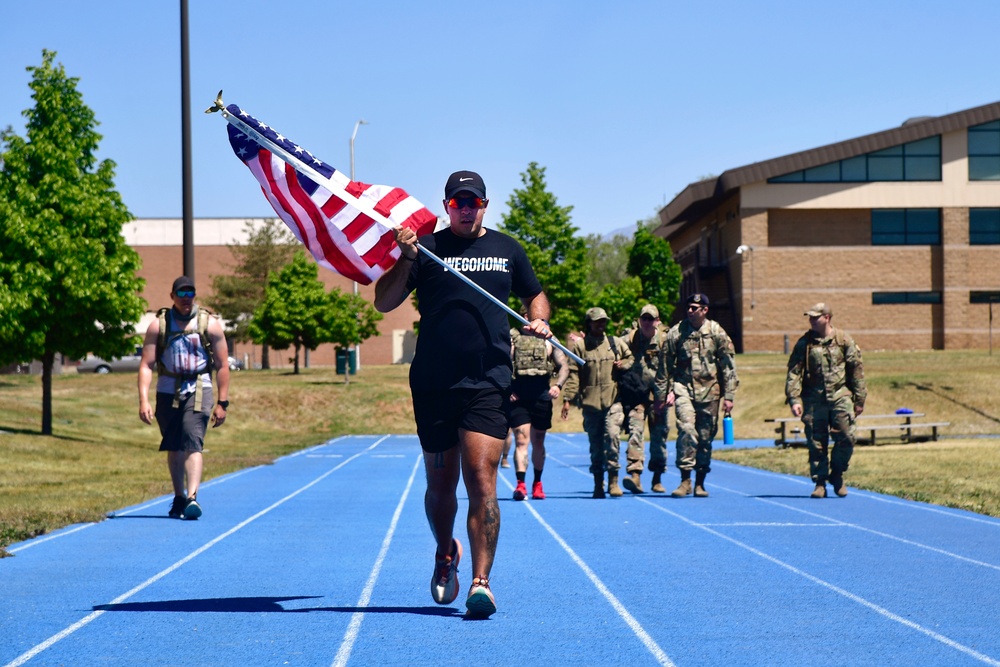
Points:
(159, 243)
(899, 231)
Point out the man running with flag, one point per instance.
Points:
(461, 373)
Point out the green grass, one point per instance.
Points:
(101, 457)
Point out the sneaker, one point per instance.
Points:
(177, 507)
(504, 463)
(536, 491)
(192, 510)
(480, 603)
(819, 491)
(838, 486)
(520, 491)
(444, 582)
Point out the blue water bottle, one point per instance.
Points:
(727, 430)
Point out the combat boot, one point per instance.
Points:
(657, 485)
(699, 485)
(820, 490)
(598, 485)
(685, 487)
(837, 480)
(613, 489)
(632, 483)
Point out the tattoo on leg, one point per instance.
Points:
(491, 524)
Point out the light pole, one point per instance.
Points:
(745, 250)
(357, 346)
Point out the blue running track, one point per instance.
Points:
(325, 558)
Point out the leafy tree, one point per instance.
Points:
(608, 259)
(236, 296)
(296, 309)
(354, 321)
(619, 301)
(558, 256)
(652, 261)
(68, 281)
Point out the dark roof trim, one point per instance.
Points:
(697, 198)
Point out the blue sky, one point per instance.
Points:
(623, 103)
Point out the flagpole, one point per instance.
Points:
(367, 208)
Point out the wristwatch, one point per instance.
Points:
(224, 405)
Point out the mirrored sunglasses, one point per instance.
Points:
(185, 293)
(463, 202)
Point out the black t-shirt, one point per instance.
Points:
(464, 339)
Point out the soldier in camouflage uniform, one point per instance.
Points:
(595, 386)
(645, 342)
(825, 386)
(697, 370)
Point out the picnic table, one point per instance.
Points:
(903, 426)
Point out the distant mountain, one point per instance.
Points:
(628, 232)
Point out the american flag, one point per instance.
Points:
(345, 224)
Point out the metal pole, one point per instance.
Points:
(188, 214)
(357, 346)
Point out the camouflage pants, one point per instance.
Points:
(595, 424)
(697, 424)
(635, 426)
(823, 422)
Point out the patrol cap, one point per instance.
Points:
(698, 299)
(650, 309)
(819, 309)
(181, 283)
(596, 313)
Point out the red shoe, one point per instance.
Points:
(521, 491)
(536, 491)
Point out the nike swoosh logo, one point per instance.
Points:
(463, 180)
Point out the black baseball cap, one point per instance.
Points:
(181, 283)
(465, 181)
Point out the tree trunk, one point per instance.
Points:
(265, 357)
(296, 358)
(47, 360)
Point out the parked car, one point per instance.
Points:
(95, 364)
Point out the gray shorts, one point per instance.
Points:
(182, 428)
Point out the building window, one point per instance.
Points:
(913, 161)
(984, 152)
(906, 226)
(892, 298)
(984, 226)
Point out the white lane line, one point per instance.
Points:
(887, 536)
(34, 542)
(633, 624)
(882, 611)
(351, 635)
(953, 512)
(48, 643)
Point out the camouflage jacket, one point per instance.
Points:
(595, 384)
(646, 353)
(702, 359)
(825, 369)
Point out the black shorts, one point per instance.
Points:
(182, 428)
(538, 413)
(439, 414)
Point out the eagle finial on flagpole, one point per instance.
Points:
(217, 106)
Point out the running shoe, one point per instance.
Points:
(444, 582)
(480, 603)
(177, 507)
(520, 491)
(192, 510)
(504, 463)
(536, 491)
